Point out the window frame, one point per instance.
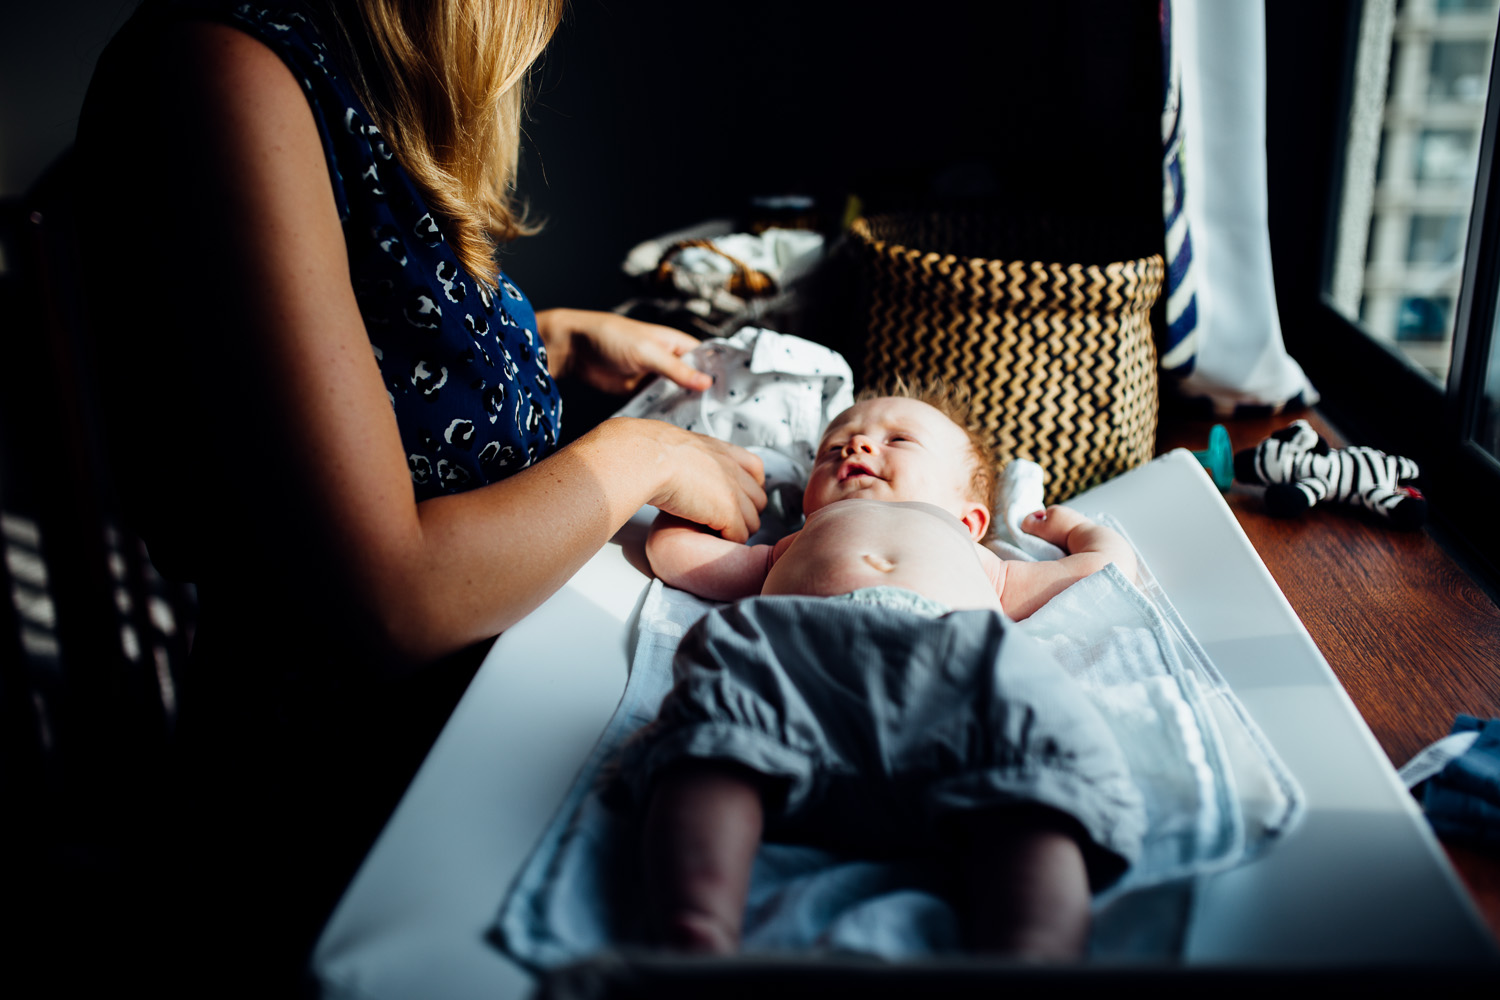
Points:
(1371, 392)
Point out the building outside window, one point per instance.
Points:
(1422, 76)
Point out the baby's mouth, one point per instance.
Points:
(855, 470)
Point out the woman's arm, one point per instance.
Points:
(312, 478)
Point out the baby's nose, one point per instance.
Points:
(858, 443)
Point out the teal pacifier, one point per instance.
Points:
(1218, 457)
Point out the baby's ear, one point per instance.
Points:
(976, 518)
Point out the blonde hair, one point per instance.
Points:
(445, 82)
(954, 401)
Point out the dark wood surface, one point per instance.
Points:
(1412, 638)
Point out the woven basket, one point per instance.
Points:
(1059, 357)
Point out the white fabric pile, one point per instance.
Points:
(702, 275)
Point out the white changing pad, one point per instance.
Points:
(1360, 883)
(1189, 745)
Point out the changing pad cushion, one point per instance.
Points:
(1216, 795)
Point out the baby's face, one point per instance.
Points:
(892, 449)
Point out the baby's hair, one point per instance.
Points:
(955, 402)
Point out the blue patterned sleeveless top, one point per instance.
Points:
(464, 367)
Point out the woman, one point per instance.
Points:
(335, 414)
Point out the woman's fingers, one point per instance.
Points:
(712, 483)
(658, 350)
(664, 362)
(752, 495)
(669, 339)
(749, 492)
(615, 353)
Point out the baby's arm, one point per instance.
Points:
(1026, 586)
(688, 556)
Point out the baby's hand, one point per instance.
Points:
(1077, 535)
(1054, 524)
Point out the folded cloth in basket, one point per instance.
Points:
(1216, 796)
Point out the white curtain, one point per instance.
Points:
(1234, 353)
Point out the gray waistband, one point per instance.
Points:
(898, 598)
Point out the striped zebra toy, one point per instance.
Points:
(1299, 469)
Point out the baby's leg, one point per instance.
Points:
(1029, 884)
(702, 829)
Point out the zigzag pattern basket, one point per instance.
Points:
(1059, 357)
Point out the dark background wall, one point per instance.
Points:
(47, 54)
(651, 116)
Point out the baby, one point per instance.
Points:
(866, 696)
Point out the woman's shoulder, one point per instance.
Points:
(160, 69)
(289, 23)
(231, 62)
(194, 85)
(171, 46)
(190, 93)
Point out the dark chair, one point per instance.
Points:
(93, 641)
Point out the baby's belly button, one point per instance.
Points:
(880, 563)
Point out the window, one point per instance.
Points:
(1385, 230)
(1423, 70)
(1489, 431)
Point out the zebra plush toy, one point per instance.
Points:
(1299, 469)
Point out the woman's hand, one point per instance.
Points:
(615, 353)
(707, 481)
